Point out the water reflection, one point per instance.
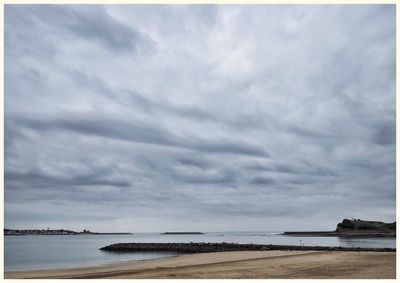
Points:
(367, 242)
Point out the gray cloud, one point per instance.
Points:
(89, 24)
(142, 133)
(385, 134)
(190, 161)
(41, 179)
(262, 181)
(203, 117)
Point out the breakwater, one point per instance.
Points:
(182, 233)
(188, 248)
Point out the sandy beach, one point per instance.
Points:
(241, 265)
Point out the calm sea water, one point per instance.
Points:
(48, 252)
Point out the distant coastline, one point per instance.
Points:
(23, 232)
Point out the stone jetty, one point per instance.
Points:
(182, 233)
(190, 248)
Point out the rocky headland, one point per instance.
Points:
(353, 228)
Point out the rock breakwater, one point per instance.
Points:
(189, 248)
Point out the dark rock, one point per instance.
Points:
(356, 225)
(346, 224)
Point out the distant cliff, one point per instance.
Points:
(353, 228)
(358, 225)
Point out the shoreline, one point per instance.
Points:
(237, 264)
(90, 266)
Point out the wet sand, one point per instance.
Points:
(241, 265)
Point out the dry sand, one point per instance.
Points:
(241, 265)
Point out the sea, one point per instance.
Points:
(38, 252)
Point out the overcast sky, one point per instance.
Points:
(197, 117)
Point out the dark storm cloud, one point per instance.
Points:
(89, 124)
(304, 169)
(40, 179)
(145, 104)
(385, 134)
(224, 178)
(199, 117)
(189, 161)
(77, 21)
(262, 181)
(302, 182)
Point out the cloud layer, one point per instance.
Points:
(199, 117)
